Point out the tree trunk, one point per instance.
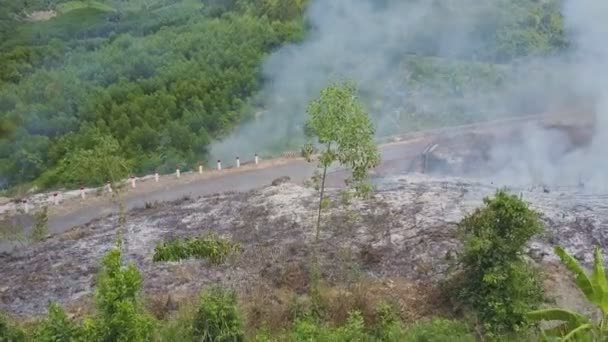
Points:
(318, 232)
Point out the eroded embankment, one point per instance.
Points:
(405, 230)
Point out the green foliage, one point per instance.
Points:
(10, 332)
(210, 247)
(57, 327)
(120, 316)
(309, 330)
(40, 230)
(339, 122)
(577, 327)
(439, 330)
(496, 282)
(125, 100)
(94, 166)
(217, 318)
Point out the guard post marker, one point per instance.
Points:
(55, 199)
(256, 159)
(156, 176)
(177, 172)
(82, 193)
(238, 162)
(219, 165)
(133, 182)
(200, 168)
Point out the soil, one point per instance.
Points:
(406, 230)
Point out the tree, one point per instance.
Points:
(340, 123)
(497, 283)
(95, 166)
(595, 288)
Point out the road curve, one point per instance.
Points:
(397, 157)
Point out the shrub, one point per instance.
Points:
(309, 330)
(497, 283)
(57, 327)
(595, 288)
(120, 315)
(10, 332)
(209, 247)
(217, 318)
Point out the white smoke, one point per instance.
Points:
(543, 157)
(369, 42)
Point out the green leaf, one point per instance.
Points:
(582, 281)
(577, 331)
(557, 314)
(559, 330)
(599, 282)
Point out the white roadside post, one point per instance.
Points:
(133, 182)
(219, 165)
(82, 193)
(200, 169)
(55, 199)
(177, 172)
(156, 177)
(238, 162)
(256, 159)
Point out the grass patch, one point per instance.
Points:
(69, 6)
(209, 247)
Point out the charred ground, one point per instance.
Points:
(406, 231)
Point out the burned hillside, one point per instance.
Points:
(407, 230)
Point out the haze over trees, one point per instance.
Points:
(155, 83)
(158, 80)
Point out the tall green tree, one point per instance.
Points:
(342, 126)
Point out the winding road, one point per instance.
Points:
(397, 157)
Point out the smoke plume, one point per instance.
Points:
(421, 63)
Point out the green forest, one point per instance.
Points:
(127, 87)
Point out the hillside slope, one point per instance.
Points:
(407, 230)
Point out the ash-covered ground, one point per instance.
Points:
(406, 230)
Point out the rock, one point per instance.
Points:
(281, 180)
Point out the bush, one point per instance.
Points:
(120, 315)
(209, 247)
(218, 318)
(497, 283)
(10, 332)
(57, 327)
